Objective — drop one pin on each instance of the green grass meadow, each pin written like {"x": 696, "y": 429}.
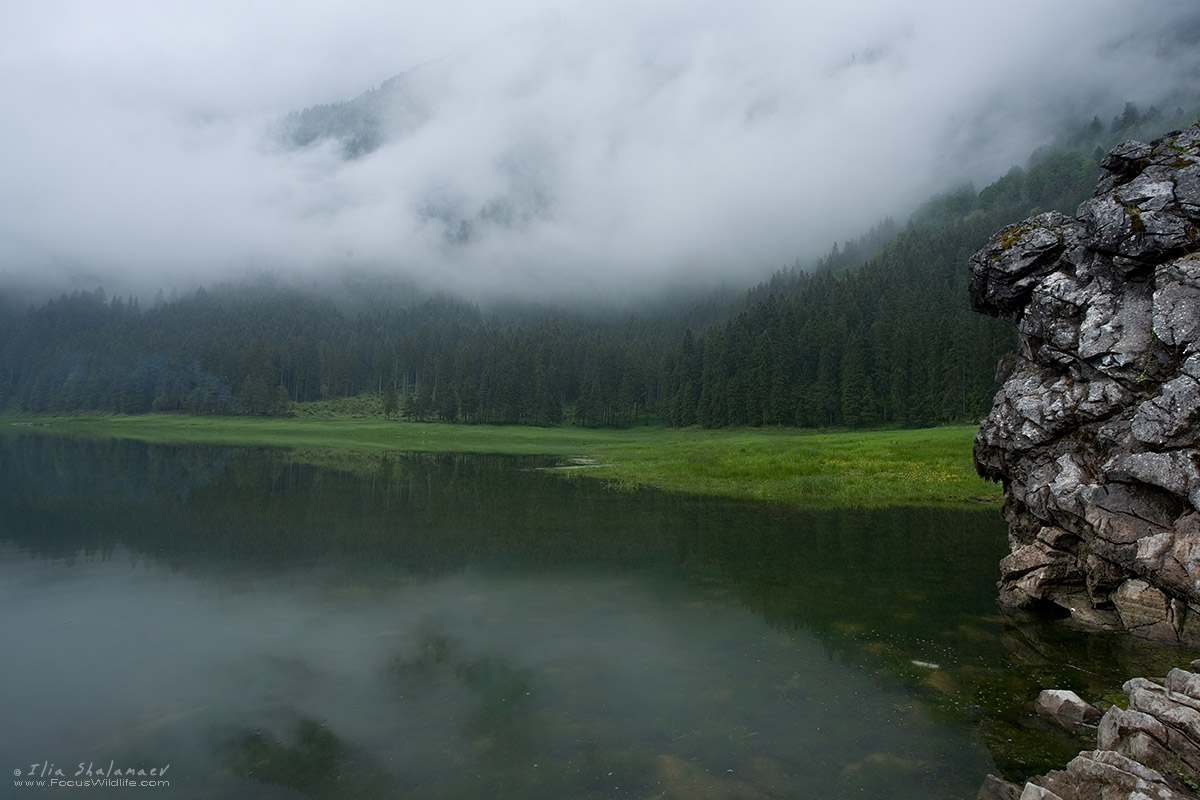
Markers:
{"x": 871, "y": 469}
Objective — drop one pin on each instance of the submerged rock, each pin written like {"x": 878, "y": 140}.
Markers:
{"x": 1095, "y": 432}
{"x": 1066, "y": 709}
{"x": 678, "y": 779}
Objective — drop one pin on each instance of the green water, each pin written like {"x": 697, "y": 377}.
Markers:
{"x": 472, "y": 626}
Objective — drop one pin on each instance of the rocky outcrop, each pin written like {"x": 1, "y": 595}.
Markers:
{"x": 1149, "y": 750}
{"x": 1095, "y": 432}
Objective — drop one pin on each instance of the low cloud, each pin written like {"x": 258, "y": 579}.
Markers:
{"x": 570, "y": 152}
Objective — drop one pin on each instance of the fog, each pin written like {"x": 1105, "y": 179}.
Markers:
{"x": 578, "y": 151}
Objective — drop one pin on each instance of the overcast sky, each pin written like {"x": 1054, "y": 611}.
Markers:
{"x": 633, "y": 144}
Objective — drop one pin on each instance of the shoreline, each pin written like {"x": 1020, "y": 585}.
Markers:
{"x": 930, "y": 467}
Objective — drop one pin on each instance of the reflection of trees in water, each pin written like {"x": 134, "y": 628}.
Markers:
{"x": 63, "y": 498}
{"x": 94, "y": 469}
{"x": 501, "y": 708}
{"x": 509, "y": 730}
{"x": 220, "y": 509}
{"x": 436, "y": 513}
{"x": 879, "y": 589}
{"x": 316, "y": 762}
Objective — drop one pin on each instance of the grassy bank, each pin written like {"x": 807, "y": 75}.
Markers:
{"x": 928, "y": 467}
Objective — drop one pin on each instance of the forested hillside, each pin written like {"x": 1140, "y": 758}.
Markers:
{"x": 891, "y": 341}
{"x": 882, "y": 331}
{"x": 879, "y": 332}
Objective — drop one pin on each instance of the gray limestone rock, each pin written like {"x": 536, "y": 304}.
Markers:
{"x": 1095, "y": 432}
{"x": 1101, "y": 775}
{"x": 1170, "y": 417}
{"x": 1145, "y": 610}
{"x": 1066, "y": 709}
{"x": 1005, "y": 272}
{"x": 1177, "y": 303}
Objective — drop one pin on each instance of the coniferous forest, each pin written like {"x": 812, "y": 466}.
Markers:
{"x": 878, "y": 332}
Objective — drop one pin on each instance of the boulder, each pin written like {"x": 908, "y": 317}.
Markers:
{"x": 1095, "y": 430}
{"x": 1066, "y": 709}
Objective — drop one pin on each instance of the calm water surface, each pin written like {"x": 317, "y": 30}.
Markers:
{"x": 472, "y": 626}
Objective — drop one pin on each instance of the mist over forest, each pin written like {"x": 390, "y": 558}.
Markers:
{"x": 575, "y": 153}
{"x": 604, "y": 217}
{"x": 879, "y": 331}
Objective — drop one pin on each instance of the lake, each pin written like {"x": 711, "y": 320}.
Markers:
{"x": 265, "y": 623}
